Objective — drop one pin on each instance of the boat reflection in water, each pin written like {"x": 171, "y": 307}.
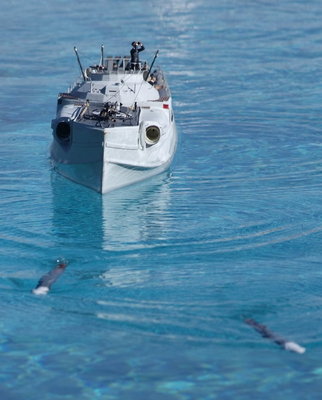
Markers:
{"x": 136, "y": 217}
{"x": 125, "y": 219}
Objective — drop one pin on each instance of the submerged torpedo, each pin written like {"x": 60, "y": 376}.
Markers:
{"x": 46, "y": 281}
{"x": 266, "y": 333}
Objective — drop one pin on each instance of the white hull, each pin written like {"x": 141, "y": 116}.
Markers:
{"x": 116, "y": 176}
{"x": 103, "y": 166}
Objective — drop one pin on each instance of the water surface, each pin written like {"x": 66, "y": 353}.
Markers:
{"x": 162, "y": 274}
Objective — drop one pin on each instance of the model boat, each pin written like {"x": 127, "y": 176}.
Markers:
{"x": 116, "y": 125}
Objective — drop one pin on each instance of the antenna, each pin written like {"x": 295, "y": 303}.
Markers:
{"x": 79, "y": 63}
{"x": 102, "y": 55}
{"x": 155, "y": 57}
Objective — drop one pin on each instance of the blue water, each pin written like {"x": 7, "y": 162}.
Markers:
{"x": 162, "y": 274}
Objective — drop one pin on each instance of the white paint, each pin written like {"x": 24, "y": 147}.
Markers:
{"x": 292, "y": 346}
{"x": 41, "y": 290}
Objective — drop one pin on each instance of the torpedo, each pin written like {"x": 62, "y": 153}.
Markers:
{"x": 266, "y": 333}
{"x": 47, "y": 280}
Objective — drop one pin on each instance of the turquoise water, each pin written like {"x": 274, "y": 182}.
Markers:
{"x": 162, "y": 274}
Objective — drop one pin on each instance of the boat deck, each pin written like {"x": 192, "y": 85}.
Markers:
{"x": 110, "y": 116}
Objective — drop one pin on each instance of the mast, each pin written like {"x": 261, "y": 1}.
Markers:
{"x": 102, "y": 55}
{"x": 155, "y": 57}
{"x": 79, "y": 63}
